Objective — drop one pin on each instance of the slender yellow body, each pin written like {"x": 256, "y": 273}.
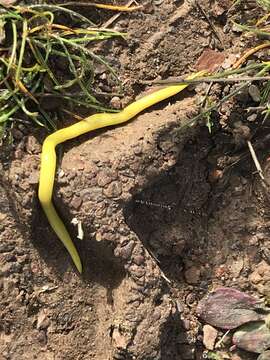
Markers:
{"x": 48, "y": 156}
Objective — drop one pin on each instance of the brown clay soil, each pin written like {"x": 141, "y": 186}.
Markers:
{"x": 167, "y": 214}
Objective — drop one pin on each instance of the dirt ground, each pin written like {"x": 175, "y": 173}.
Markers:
{"x": 167, "y": 214}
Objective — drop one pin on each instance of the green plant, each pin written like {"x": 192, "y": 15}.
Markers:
{"x": 264, "y": 3}
{"x": 34, "y": 45}
{"x": 213, "y": 355}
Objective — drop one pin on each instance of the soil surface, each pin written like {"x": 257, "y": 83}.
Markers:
{"x": 168, "y": 211}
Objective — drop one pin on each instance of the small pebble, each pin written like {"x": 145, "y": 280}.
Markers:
{"x": 32, "y": 145}
{"x": 33, "y": 178}
{"x": 186, "y": 324}
{"x": 113, "y": 190}
{"x": 2, "y": 216}
{"x": 209, "y": 337}
{"x": 116, "y": 102}
{"x": 43, "y": 322}
{"x": 252, "y": 118}
{"x": 76, "y": 202}
{"x": 61, "y": 173}
{"x": 254, "y": 93}
{"x": 138, "y": 259}
{"x": 192, "y": 275}
{"x": 236, "y": 267}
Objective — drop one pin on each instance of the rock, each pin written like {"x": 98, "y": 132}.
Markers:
{"x": 61, "y": 173}
{"x": 236, "y": 267}
{"x": 138, "y": 259}
{"x": 76, "y": 202}
{"x": 254, "y": 93}
{"x": 241, "y": 134}
{"x": 125, "y": 251}
{"x": 93, "y": 194}
{"x": 209, "y": 337}
{"x": 33, "y": 178}
{"x": 192, "y": 275}
{"x": 138, "y": 149}
{"x": 252, "y": 117}
{"x": 2, "y": 216}
{"x": 186, "y": 324}
{"x": 255, "y": 278}
{"x": 32, "y": 145}
{"x": 261, "y": 273}
{"x": 43, "y": 321}
{"x": 260, "y": 278}
{"x": 113, "y": 190}
{"x": 119, "y": 339}
{"x": 105, "y": 177}
{"x": 253, "y": 337}
{"x": 115, "y": 102}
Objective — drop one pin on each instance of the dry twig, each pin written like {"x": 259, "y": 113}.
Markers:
{"x": 116, "y": 16}
{"x": 249, "y": 53}
{"x": 256, "y": 161}
{"x": 209, "y": 21}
